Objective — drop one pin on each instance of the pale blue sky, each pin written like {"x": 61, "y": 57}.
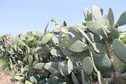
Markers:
{"x": 19, "y": 16}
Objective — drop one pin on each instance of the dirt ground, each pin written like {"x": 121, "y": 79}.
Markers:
{"x": 5, "y": 75}
{"x": 5, "y": 78}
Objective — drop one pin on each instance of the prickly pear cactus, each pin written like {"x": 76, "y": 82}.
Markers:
{"x": 87, "y": 53}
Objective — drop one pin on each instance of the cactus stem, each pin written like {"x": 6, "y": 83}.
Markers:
{"x": 96, "y": 70}
{"x": 85, "y": 36}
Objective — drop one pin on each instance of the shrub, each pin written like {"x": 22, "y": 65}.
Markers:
{"x": 85, "y": 53}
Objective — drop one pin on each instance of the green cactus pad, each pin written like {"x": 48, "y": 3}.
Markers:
{"x": 46, "y": 38}
{"x": 87, "y": 65}
{"x": 122, "y": 20}
{"x": 76, "y": 45}
{"x": 119, "y": 49}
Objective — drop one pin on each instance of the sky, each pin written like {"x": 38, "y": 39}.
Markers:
{"x": 20, "y": 16}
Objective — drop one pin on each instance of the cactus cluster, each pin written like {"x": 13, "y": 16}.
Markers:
{"x": 86, "y": 53}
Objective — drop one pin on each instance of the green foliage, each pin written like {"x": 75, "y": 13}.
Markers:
{"x": 85, "y": 53}
{"x": 3, "y": 65}
{"x": 123, "y": 39}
